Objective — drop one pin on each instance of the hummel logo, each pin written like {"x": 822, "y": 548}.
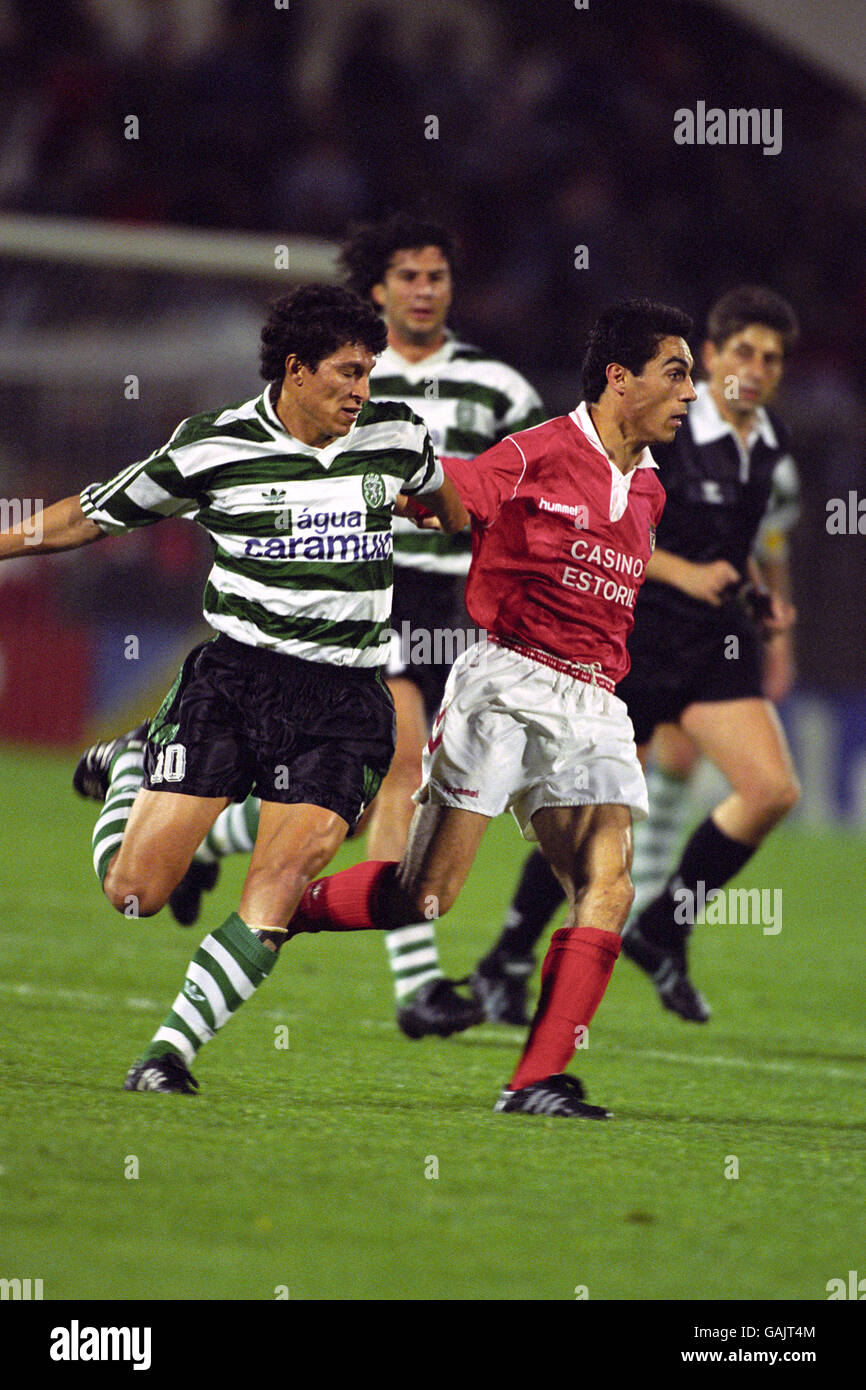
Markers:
{"x": 276, "y": 496}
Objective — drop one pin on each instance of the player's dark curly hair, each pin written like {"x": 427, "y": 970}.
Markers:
{"x": 629, "y": 333}
{"x": 312, "y": 323}
{"x": 752, "y": 304}
{"x": 367, "y": 253}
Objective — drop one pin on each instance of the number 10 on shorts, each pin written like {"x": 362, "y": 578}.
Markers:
{"x": 170, "y": 764}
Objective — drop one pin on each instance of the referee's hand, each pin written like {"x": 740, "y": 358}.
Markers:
{"x": 712, "y": 583}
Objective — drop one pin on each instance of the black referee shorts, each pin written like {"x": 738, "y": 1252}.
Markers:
{"x": 676, "y": 662}
{"x": 242, "y": 720}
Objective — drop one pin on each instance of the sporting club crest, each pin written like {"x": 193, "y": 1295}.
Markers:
{"x": 373, "y": 490}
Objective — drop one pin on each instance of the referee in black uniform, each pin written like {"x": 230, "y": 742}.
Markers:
{"x": 696, "y": 648}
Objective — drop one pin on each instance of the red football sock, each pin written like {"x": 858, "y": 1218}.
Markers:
{"x": 346, "y": 901}
{"x": 574, "y": 977}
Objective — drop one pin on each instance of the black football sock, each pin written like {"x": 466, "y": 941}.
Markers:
{"x": 710, "y": 858}
{"x": 539, "y": 893}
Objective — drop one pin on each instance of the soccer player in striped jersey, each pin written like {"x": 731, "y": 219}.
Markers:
{"x": 469, "y": 401}
{"x": 296, "y": 488}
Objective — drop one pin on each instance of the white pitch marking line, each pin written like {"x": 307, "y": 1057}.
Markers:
{"x": 680, "y": 1058}
{"x": 695, "y": 1059}
{"x": 698, "y": 1059}
{"x": 89, "y": 997}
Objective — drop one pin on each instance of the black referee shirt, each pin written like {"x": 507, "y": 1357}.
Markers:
{"x": 717, "y": 495}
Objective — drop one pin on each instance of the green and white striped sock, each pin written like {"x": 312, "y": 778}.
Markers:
{"x": 233, "y": 832}
{"x": 657, "y": 839}
{"x": 227, "y": 968}
{"x": 413, "y": 957}
{"x": 126, "y": 775}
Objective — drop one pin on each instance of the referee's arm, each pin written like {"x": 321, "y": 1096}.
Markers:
{"x": 709, "y": 582}
{"x": 62, "y": 526}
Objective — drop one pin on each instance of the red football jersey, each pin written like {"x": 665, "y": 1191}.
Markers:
{"x": 560, "y": 540}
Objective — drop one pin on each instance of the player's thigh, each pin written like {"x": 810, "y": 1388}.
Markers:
{"x": 443, "y": 842}
{"x": 746, "y": 742}
{"x": 590, "y": 850}
{"x": 673, "y": 751}
{"x": 294, "y": 843}
{"x": 161, "y": 836}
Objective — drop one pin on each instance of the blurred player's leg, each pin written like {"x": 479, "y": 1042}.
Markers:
{"x": 426, "y": 1002}
{"x": 745, "y": 741}
{"x": 657, "y": 839}
{"x": 500, "y": 979}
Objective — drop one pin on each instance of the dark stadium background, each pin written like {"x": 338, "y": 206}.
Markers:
{"x": 134, "y": 274}
{"x": 555, "y": 129}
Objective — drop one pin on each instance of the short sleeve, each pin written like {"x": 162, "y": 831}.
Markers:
{"x": 140, "y": 495}
{"x": 486, "y": 482}
{"x": 429, "y": 477}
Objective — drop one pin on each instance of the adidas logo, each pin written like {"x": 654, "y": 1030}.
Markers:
{"x": 274, "y": 496}
{"x": 193, "y": 992}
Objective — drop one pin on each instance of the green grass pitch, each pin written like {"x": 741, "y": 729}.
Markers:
{"x": 310, "y": 1169}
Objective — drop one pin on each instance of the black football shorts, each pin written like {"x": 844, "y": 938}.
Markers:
{"x": 242, "y": 720}
{"x": 676, "y": 662}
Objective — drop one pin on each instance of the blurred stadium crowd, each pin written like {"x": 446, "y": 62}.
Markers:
{"x": 555, "y": 130}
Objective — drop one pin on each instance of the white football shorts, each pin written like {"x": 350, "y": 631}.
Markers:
{"x": 513, "y": 734}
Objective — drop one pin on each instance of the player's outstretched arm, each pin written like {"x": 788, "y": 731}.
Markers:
{"x": 62, "y": 526}
{"x": 446, "y": 507}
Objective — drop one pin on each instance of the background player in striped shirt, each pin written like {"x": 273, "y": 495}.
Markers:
{"x": 468, "y": 401}
{"x": 732, "y": 485}
{"x": 563, "y": 521}
{"x": 296, "y": 488}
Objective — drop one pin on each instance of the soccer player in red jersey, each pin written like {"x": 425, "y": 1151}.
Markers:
{"x": 563, "y": 522}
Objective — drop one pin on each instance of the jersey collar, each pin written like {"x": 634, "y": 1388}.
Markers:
{"x": 325, "y": 455}
{"x": 583, "y": 420}
{"x": 707, "y": 423}
{"x": 620, "y": 483}
{"x": 392, "y": 361}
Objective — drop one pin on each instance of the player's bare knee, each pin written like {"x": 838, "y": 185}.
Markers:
{"x": 134, "y": 897}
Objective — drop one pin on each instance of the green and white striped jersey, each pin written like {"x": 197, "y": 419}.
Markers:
{"x": 468, "y": 402}
{"x": 303, "y": 536}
